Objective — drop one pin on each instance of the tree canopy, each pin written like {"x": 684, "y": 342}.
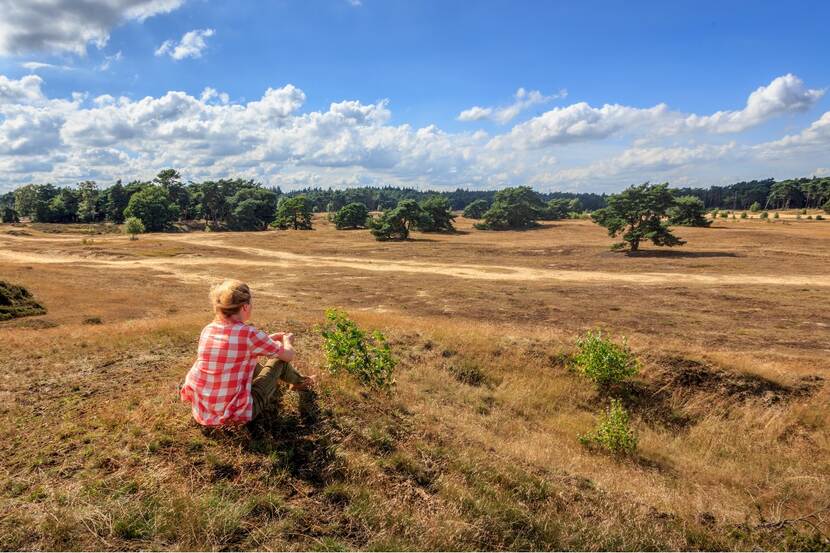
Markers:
{"x": 637, "y": 214}
{"x": 476, "y": 209}
{"x": 436, "y": 215}
{"x": 394, "y": 224}
{"x": 688, "y": 211}
{"x": 294, "y": 213}
{"x": 154, "y": 207}
{"x": 513, "y": 208}
{"x": 351, "y": 216}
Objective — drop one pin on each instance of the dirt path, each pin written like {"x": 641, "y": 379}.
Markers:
{"x": 187, "y": 267}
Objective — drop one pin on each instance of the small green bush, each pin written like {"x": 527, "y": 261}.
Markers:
{"x": 809, "y": 217}
{"x": 775, "y": 216}
{"x": 744, "y": 215}
{"x": 603, "y": 361}
{"x": 755, "y": 207}
{"x": 348, "y": 348}
{"x": 724, "y": 215}
{"x": 133, "y": 226}
{"x": 613, "y": 431}
{"x": 764, "y": 215}
{"x": 819, "y": 217}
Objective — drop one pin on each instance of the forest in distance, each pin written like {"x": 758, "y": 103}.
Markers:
{"x": 240, "y": 204}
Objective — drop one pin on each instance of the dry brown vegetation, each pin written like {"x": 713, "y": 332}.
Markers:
{"x": 477, "y": 447}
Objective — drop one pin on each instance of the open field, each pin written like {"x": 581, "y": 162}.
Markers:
{"x": 732, "y": 406}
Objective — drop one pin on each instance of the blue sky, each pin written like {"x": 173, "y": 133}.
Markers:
{"x": 571, "y": 96}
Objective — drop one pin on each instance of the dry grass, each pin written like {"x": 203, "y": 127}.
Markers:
{"x": 477, "y": 447}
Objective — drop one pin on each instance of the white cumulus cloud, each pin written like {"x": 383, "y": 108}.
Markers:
{"x": 274, "y": 140}
{"x": 522, "y": 100}
{"x": 580, "y": 122}
{"x": 190, "y": 46}
{"x": 785, "y": 94}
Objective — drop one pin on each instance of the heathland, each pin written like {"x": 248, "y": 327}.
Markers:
{"x": 477, "y": 445}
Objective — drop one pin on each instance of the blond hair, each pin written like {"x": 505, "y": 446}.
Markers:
{"x": 229, "y": 297}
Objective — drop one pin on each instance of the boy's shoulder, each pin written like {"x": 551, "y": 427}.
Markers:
{"x": 214, "y": 327}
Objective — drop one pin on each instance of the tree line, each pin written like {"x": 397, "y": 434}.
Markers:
{"x": 800, "y": 193}
{"x": 240, "y": 204}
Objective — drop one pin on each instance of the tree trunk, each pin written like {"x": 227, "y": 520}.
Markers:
{"x": 635, "y": 245}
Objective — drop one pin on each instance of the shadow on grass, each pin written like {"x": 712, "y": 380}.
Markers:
{"x": 303, "y": 443}
{"x": 677, "y": 254}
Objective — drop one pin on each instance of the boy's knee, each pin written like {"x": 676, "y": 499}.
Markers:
{"x": 274, "y": 362}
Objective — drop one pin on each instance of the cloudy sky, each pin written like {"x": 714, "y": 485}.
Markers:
{"x": 585, "y": 95}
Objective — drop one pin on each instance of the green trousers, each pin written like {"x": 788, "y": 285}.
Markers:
{"x": 264, "y": 385}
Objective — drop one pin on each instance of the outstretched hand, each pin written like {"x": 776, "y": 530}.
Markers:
{"x": 284, "y": 337}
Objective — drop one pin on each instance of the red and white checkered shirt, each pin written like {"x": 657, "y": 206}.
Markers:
{"x": 218, "y": 385}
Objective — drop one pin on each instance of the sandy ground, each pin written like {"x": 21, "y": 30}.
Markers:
{"x": 183, "y": 266}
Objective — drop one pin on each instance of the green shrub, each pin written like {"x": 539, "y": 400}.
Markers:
{"x": 804, "y": 212}
{"x": 613, "y": 431}
{"x": 755, "y": 207}
{"x": 603, "y": 361}
{"x": 724, "y": 214}
{"x": 348, "y": 348}
{"x": 133, "y": 226}
{"x": 764, "y": 215}
{"x": 819, "y": 217}
{"x": 744, "y": 215}
{"x": 775, "y": 216}
{"x": 810, "y": 217}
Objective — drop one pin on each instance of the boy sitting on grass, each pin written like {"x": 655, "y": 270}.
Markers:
{"x": 226, "y": 385}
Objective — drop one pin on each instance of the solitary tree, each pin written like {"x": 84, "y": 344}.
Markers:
{"x": 436, "y": 215}
{"x": 476, "y": 209}
{"x": 395, "y": 223}
{"x": 637, "y": 214}
{"x": 755, "y": 207}
{"x": 133, "y": 226}
{"x": 353, "y": 215}
{"x": 154, "y": 207}
{"x": 688, "y": 211}
{"x": 513, "y": 208}
{"x": 294, "y": 213}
